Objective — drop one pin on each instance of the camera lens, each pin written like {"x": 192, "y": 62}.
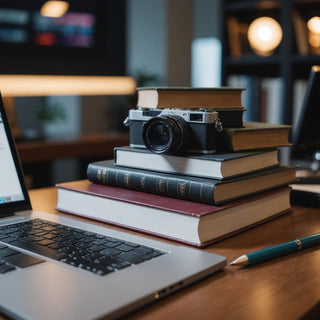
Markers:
{"x": 164, "y": 134}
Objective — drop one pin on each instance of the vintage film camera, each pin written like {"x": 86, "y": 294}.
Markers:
{"x": 173, "y": 130}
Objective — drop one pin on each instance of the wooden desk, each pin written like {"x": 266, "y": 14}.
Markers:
{"x": 285, "y": 288}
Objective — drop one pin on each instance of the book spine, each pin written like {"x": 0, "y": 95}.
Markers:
{"x": 179, "y": 187}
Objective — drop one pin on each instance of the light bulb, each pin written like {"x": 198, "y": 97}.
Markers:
{"x": 313, "y": 25}
{"x": 264, "y": 35}
{"x": 54, "y": 9}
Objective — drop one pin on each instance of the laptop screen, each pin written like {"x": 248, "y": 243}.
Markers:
{"x": 11, "y": 190}
{"x": 13, "y": 193}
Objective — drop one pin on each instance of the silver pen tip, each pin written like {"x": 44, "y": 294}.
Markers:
{"x": 241, "y": 261}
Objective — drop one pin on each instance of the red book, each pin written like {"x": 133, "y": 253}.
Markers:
{"x": 185, "y": 221}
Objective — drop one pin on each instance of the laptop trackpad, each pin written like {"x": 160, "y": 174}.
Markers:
{"x": 31, "y": 292}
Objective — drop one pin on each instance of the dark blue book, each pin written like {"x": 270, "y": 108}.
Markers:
{"x": 203, "y": 190}
{"x": 216, "y": 166}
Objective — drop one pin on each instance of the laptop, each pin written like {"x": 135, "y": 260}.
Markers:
{"x": 57, "y": 267}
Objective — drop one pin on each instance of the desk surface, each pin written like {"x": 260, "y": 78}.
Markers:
{"x": 285, "y": 288}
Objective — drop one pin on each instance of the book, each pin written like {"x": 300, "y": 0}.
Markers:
{"x": 299, "y": 92}
{"x": 184, "y": 221}
{"x": 272, "y": 87}
{"x": 247, "y": 82}
{"x": 301, "y": 33}
{"x": 234, "y": 37}
{"x": 197, "y": 189}
{"x": 189, "y": 97}
{"x": 253, "y": 135}
{"x": 216, "y": 166}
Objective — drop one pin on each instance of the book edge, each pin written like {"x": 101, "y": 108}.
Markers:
{"x": 183, "y": 241}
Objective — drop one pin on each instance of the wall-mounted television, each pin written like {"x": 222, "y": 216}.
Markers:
{"x": 88, "y": 40}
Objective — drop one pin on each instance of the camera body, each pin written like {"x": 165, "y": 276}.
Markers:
{"x": 173, "y": 130}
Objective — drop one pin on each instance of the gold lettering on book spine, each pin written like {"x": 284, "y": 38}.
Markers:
{"x": 99, "y": 174}
{"x": 161, "y": 186}
{"x": 143, "y": 183}
{"x": 201, "y": 189}
{"x": 104, "y": 176}
{"x": 182, "y": 189}
{"x": 127, "y": 179}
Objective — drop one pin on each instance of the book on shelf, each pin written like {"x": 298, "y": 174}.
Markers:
{"x": 252, "y": 136}
{"x": 189, "y": 97}
{"x": 299, "y": 92}
{"x": 184, "y": 221}
{"x": 234, "y": 37}
{"x": 301, "y": 33}
{"x": 237, "y": 32}
{"x": 272, "y": 89}
{"x": 197, "y": 189}
{"x": 216, "y": 166}
{"x": 251, "y": 95}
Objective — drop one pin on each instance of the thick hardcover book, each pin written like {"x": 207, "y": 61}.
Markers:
{"x": 253, "y": 135}
{"x": 184, "y": 221}
{"x": 186, "y": 97}
{"x": 204, "y": 190}
{"x": 216, "y": 166}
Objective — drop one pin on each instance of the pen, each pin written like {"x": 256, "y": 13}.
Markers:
{"x": 277, "y": 251}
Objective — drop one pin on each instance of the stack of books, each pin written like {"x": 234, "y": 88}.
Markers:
{"x": 196, "y": 199}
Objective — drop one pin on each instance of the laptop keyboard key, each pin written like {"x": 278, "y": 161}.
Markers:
{"x": 110, "y": 252}
{"x": 125, "y": 248}
{"x": 131, "y": 257}
{"x": 114, "y": 262}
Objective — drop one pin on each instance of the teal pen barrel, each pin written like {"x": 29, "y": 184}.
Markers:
{"x": 272, "y": 252}
{"x": 310, "y": 240}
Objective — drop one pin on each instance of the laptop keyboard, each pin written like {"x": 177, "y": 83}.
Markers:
{"x": 91, "y": 251}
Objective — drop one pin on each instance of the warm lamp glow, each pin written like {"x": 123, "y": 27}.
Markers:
{"x": 314, "y": 34}
{"x": 54, "y": 9}
{"x": 264, "y": 35}
{"x": 40, "y": 85}
{"x": 314, "y": 24}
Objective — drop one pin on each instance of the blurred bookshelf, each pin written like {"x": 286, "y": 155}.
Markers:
{"x": 278, "y": 80}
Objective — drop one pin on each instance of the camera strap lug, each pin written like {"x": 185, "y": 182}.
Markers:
{"x": 218, "y": 125}
{"x": 126, "y": 122}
